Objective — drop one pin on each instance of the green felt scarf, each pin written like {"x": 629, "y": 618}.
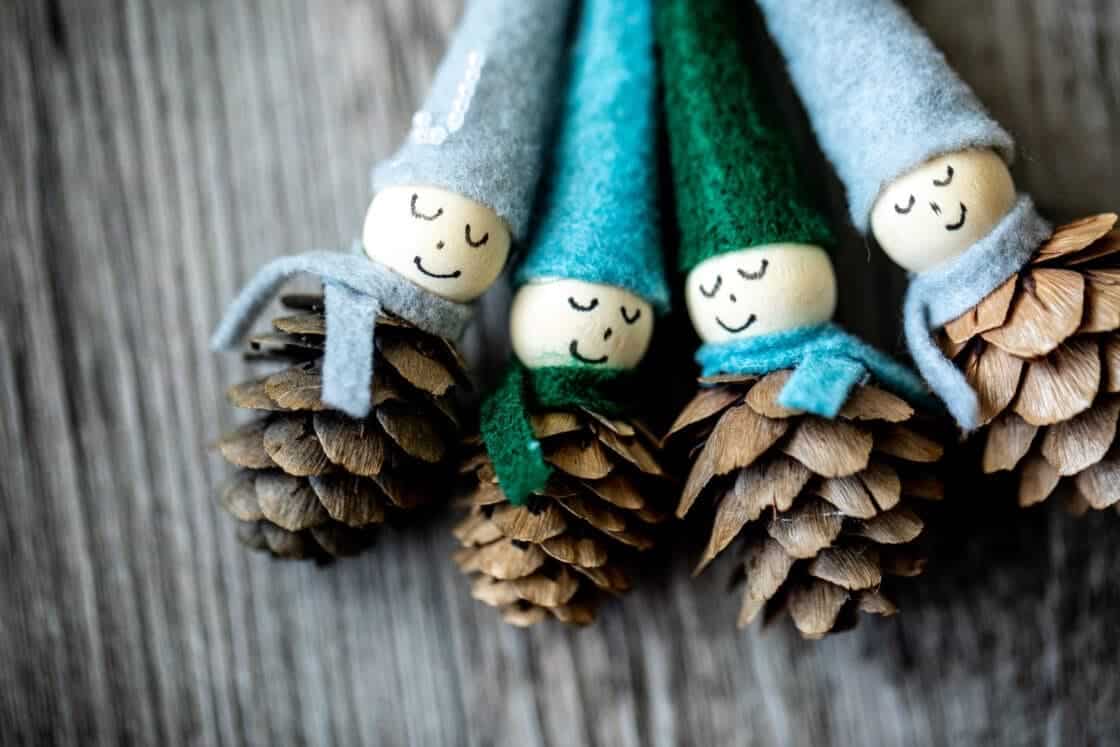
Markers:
{"x": 508, "y": 432}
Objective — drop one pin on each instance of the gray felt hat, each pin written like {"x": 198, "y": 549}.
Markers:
{"x": 483, "y": 129}
{"x": 881, "y": 97}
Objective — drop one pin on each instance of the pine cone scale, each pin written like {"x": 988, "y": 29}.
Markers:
{"x": 292, "y": 444}
{"x": 852, "y": 568}
{"x": 1074, "y": 445}
{"x": 356, "y": 446}
{"x": 1047, "y": 310}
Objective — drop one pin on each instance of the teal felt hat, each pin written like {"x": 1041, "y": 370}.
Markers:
{"x": 598, "y": 219}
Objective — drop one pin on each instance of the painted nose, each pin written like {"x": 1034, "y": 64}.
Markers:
{"x": 607, "y": 334}
{"x": 935, "y": 208}
{"x": 439, "y": 245}
{"x": 733, "y": 299}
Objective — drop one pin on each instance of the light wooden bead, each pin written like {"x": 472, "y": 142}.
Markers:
{"x": 759, "y": 291}
{"x": 444, "y": 242}
{"x": 943, "y": 207}
{"x": 572, "y": 322}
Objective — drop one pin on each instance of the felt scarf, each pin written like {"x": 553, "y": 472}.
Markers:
{"x": 356, "y": 290}
{"x": 508, "y": 432}
{"x": 827, "y": 361}
{"x": 940, "y": 295}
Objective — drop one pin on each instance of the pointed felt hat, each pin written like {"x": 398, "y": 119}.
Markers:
{"x": 484, "y": 127}
{"x": 734, "y": 169}
{"x": 881, "y": 97}
{"x": 598, "y": 219}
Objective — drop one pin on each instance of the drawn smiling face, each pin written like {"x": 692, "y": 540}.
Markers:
{"x": 942, "y": 208}
{"x": 759, "y": 291}
{"x": 572, "y": 322}
{"x": 444, "y": 242}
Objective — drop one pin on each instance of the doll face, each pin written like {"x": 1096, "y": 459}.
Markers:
{"x": 759, "y": 291}
{"x": 444, "y": 242}
{"x": 942, "y": 208}
{"x": 571, "y": 323}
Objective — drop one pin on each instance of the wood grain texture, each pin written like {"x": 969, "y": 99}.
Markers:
{"x": 154, "y": 152}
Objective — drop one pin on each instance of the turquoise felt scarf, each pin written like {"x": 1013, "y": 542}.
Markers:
{"x": 827, "y": 361}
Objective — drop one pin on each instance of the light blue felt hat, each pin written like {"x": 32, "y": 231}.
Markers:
{"x": 598, "y": 216}
{"x": 881, "y": 97}
{"x": 483, "y": 129}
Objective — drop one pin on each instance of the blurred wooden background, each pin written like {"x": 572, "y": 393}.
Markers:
{"x": 154, "y": 152}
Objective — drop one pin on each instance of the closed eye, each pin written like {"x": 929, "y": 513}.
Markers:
{"x": 947, "y": 181}
{"x": 907, "y": 209}
{"x": 480, "y": 242}
{"x": 417, "y": 214}
{"x": 575, "y": 304}
{"x": 755, "y": 275}
{"x": 715, "y": 288}
{"x": 630, "y": 319}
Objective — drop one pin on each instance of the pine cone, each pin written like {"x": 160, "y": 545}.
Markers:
{"x": 1043, "y": 353}
{"x": 314, "y": 483}
{"x": 559, "y": 552}
{"x": 825, "y": 508}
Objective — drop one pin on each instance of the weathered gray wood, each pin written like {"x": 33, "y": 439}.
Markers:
{"x": 153, "y": 152}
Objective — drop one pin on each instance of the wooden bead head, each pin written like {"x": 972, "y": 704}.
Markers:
{"x": 573, "y": 322}
{"x": 444, "y": 242}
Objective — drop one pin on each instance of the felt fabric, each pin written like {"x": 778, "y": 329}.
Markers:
{"x": 735, "y": 172}
{"x": 942, "y": 294}
{"x": 355, "y": 292}
{"x": 881, "y": 97}
{"x": 508, "y": 432}
{"x": 510, "y": 442}
{"x": 483, "y": 129}
{"x": 827, "y": 361}
{"x": 598, "y": 220}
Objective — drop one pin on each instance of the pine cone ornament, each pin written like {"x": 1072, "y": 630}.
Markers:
{"x": 1043, "y": 354}
{"x": 315, "y": 483}
{"x": 826, "y": 510}
{"x": 556, "y": 555}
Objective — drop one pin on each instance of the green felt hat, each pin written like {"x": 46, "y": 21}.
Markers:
{"x": 734, "y": 168}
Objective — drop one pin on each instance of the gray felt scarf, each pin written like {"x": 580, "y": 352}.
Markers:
{"x": 939, "y": 296}
{"x": 356, "y": 290}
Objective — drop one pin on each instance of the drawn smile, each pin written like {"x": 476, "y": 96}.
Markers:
{"x": 959, "y": 224}
{"x": 420, "y": 266}
{"x": 735, "y": 330}
{"x": 574, "y": 350}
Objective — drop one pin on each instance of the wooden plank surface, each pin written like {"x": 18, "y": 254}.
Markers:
{"x": 154, "y": 152}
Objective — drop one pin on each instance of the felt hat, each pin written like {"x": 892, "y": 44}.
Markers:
{"x": 734, "y": 168}
{"x": 483, "y": 129}
{"x": 881, "y": 97}
{"x": 598, "y": 219}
